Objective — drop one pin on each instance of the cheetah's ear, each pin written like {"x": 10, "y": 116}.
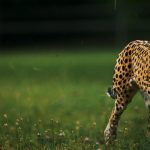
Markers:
{"x": 111, "y": 93}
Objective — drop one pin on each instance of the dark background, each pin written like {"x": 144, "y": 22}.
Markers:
{"x": 73, "y": 22}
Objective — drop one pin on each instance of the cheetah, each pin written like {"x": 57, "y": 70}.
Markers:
{"x": 131, "y": 73}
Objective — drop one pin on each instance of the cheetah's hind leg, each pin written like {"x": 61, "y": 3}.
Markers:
{"x": 146, "y": 97}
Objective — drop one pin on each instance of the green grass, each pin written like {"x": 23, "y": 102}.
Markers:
{"x": 57, "y": 101}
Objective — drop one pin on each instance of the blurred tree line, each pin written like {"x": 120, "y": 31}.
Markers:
{"x": 91, "y": 21}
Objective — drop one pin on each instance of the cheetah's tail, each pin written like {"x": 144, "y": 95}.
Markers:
{"x": 111, "y": 93}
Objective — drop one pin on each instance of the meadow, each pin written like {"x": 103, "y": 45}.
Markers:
{"x": 57, "y": 101}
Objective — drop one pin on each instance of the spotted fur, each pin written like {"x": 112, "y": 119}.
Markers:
{"x": 131, "y": 73}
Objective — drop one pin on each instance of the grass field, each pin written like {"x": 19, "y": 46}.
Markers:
{"x": 57, "y": 101}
